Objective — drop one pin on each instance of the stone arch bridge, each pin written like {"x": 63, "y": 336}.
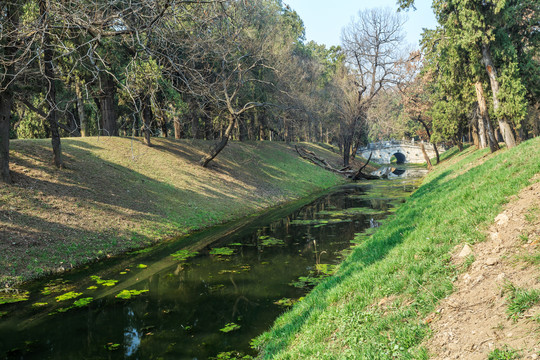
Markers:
{"x": 406, "y": 151}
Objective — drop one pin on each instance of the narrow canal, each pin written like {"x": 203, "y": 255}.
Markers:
{"x": 199, "y": 300}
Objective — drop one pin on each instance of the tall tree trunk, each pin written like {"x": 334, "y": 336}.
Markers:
{"x": 216, "y": 149}
{"x": 12, "y": 14}
{"x": 428, "y": 132}
{"x": 52, "y": 116}
{"x": 426, "y": 157}
{"x": 147, "y": 119}
{"x": 481, "y": 131}
{"x": 506, "y": 130}
{"x": 484, "y": 122}
{"x": 178, "y": 131}
{"x": 107, "y": 105}
{"x": 6, "y": 101}
{"x": 474, "y": 132}
{"x": 80, "y": 109}
{"x": 346, "y": 150}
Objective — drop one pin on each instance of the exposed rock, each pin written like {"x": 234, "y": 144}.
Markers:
{"x": 501, "y": 219}
{"x": 466, "y": 251}
{"x": 491, "y": 261}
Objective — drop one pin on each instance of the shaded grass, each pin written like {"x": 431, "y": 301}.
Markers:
{"x": 374, "y": 307}
{"x": 117, "y": 194}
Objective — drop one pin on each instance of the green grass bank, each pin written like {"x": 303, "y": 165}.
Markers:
{"x": 117, "y": 194}
{"x": 375, "y": 305}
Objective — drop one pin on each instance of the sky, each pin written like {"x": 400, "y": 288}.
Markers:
{"x": 324, "y": 19}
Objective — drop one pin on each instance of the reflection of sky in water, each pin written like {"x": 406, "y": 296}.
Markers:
{"x": 132, "y": 337}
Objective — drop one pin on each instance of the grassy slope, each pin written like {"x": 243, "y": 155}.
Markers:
{"x": 374, "y": 307}
{"x": 117, "y": 195}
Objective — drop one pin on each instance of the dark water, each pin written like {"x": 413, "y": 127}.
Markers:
{"x": 187, "y": 304}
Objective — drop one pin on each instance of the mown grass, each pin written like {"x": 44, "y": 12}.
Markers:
{"x": 374, "y": 307}
{"x": 117, "y": 194}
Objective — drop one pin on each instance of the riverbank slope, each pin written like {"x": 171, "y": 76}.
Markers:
{"x": 386, "y": 294}
{"x": 117, "y": 194}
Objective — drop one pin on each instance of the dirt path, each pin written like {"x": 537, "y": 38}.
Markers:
{"x": 473, "y": 321}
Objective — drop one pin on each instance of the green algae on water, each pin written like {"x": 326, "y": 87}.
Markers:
{"x": 142, "y": 266}
{"x": 68, "y": 296}
{"x": 39, "y": 305}
{"x": 13, "y": 297}
{"x": 112, "y": 346}
{"x": 319, "y": 222}
{"x": 230, "y": 327}
{"x": 183, "y": 255}
{"x": 271, "y": 241}
{"x": 83, "y": 302}
{"x": 103, "y": 282}
{"x": 223, "y": 251}
{"x": 128, "y": 294}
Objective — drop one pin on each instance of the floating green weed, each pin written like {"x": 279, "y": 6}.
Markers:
{"x": 227, "y": 271}
{"x": 142, "y": 266}
{"x": 13, "y": 297}
{"x": 216, "y": 288}
{"x": 351, "y": 212}
{"x": 93, "y": 287}
{"x": 183, "y": 255}
{"x": 142, "y": 251}
{"x": 236, "y": 244}
{"x": 326, "y": 269}
{"x": 112, "y": 346}
{"x": 103, "y": 282}
{"x": 520, "y": 300}
{"x": 231, "y": 355}
{"x": 307, "y": 281}
{"x": 56, "y": 286}
{"x": 285, "y": 302}
{"x": 230, "y": 327}
{"x": 68, "y": 296}
{"x": 39, "y": 305}
{"x": 128, "y": 294}
{"x": 319, "y": 222}
{"x": 271, "y": 241}
{"x": 83, "y": 302}
{"x": 223, "y": 251}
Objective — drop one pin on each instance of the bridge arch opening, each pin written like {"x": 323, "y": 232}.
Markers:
{"x": 398, "y": 158}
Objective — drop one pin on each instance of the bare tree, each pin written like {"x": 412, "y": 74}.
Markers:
{"x": 372, "y": 43}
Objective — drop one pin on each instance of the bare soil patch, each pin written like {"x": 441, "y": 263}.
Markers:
{"x": 474, "y": 320}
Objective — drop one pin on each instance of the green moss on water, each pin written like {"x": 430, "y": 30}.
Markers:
{"x": 83, "y": 302}
{"x": 103, "y": 282}
{"x": 128, "y": 294}
{"x": 39, "y": 305}
{"x": 351, "y": 212}
{"x": 230, "y": 327}
{"x": 183, "y": 255}
{"x": 270, "y": 241}
{"x": 222, "y": 251}
{"x": 13, "y": 297}
{"x": 318, "y": 222}
{"x": 68, "y": 296}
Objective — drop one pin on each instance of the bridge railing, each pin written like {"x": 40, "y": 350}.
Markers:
{"x": 388, "y": 143}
